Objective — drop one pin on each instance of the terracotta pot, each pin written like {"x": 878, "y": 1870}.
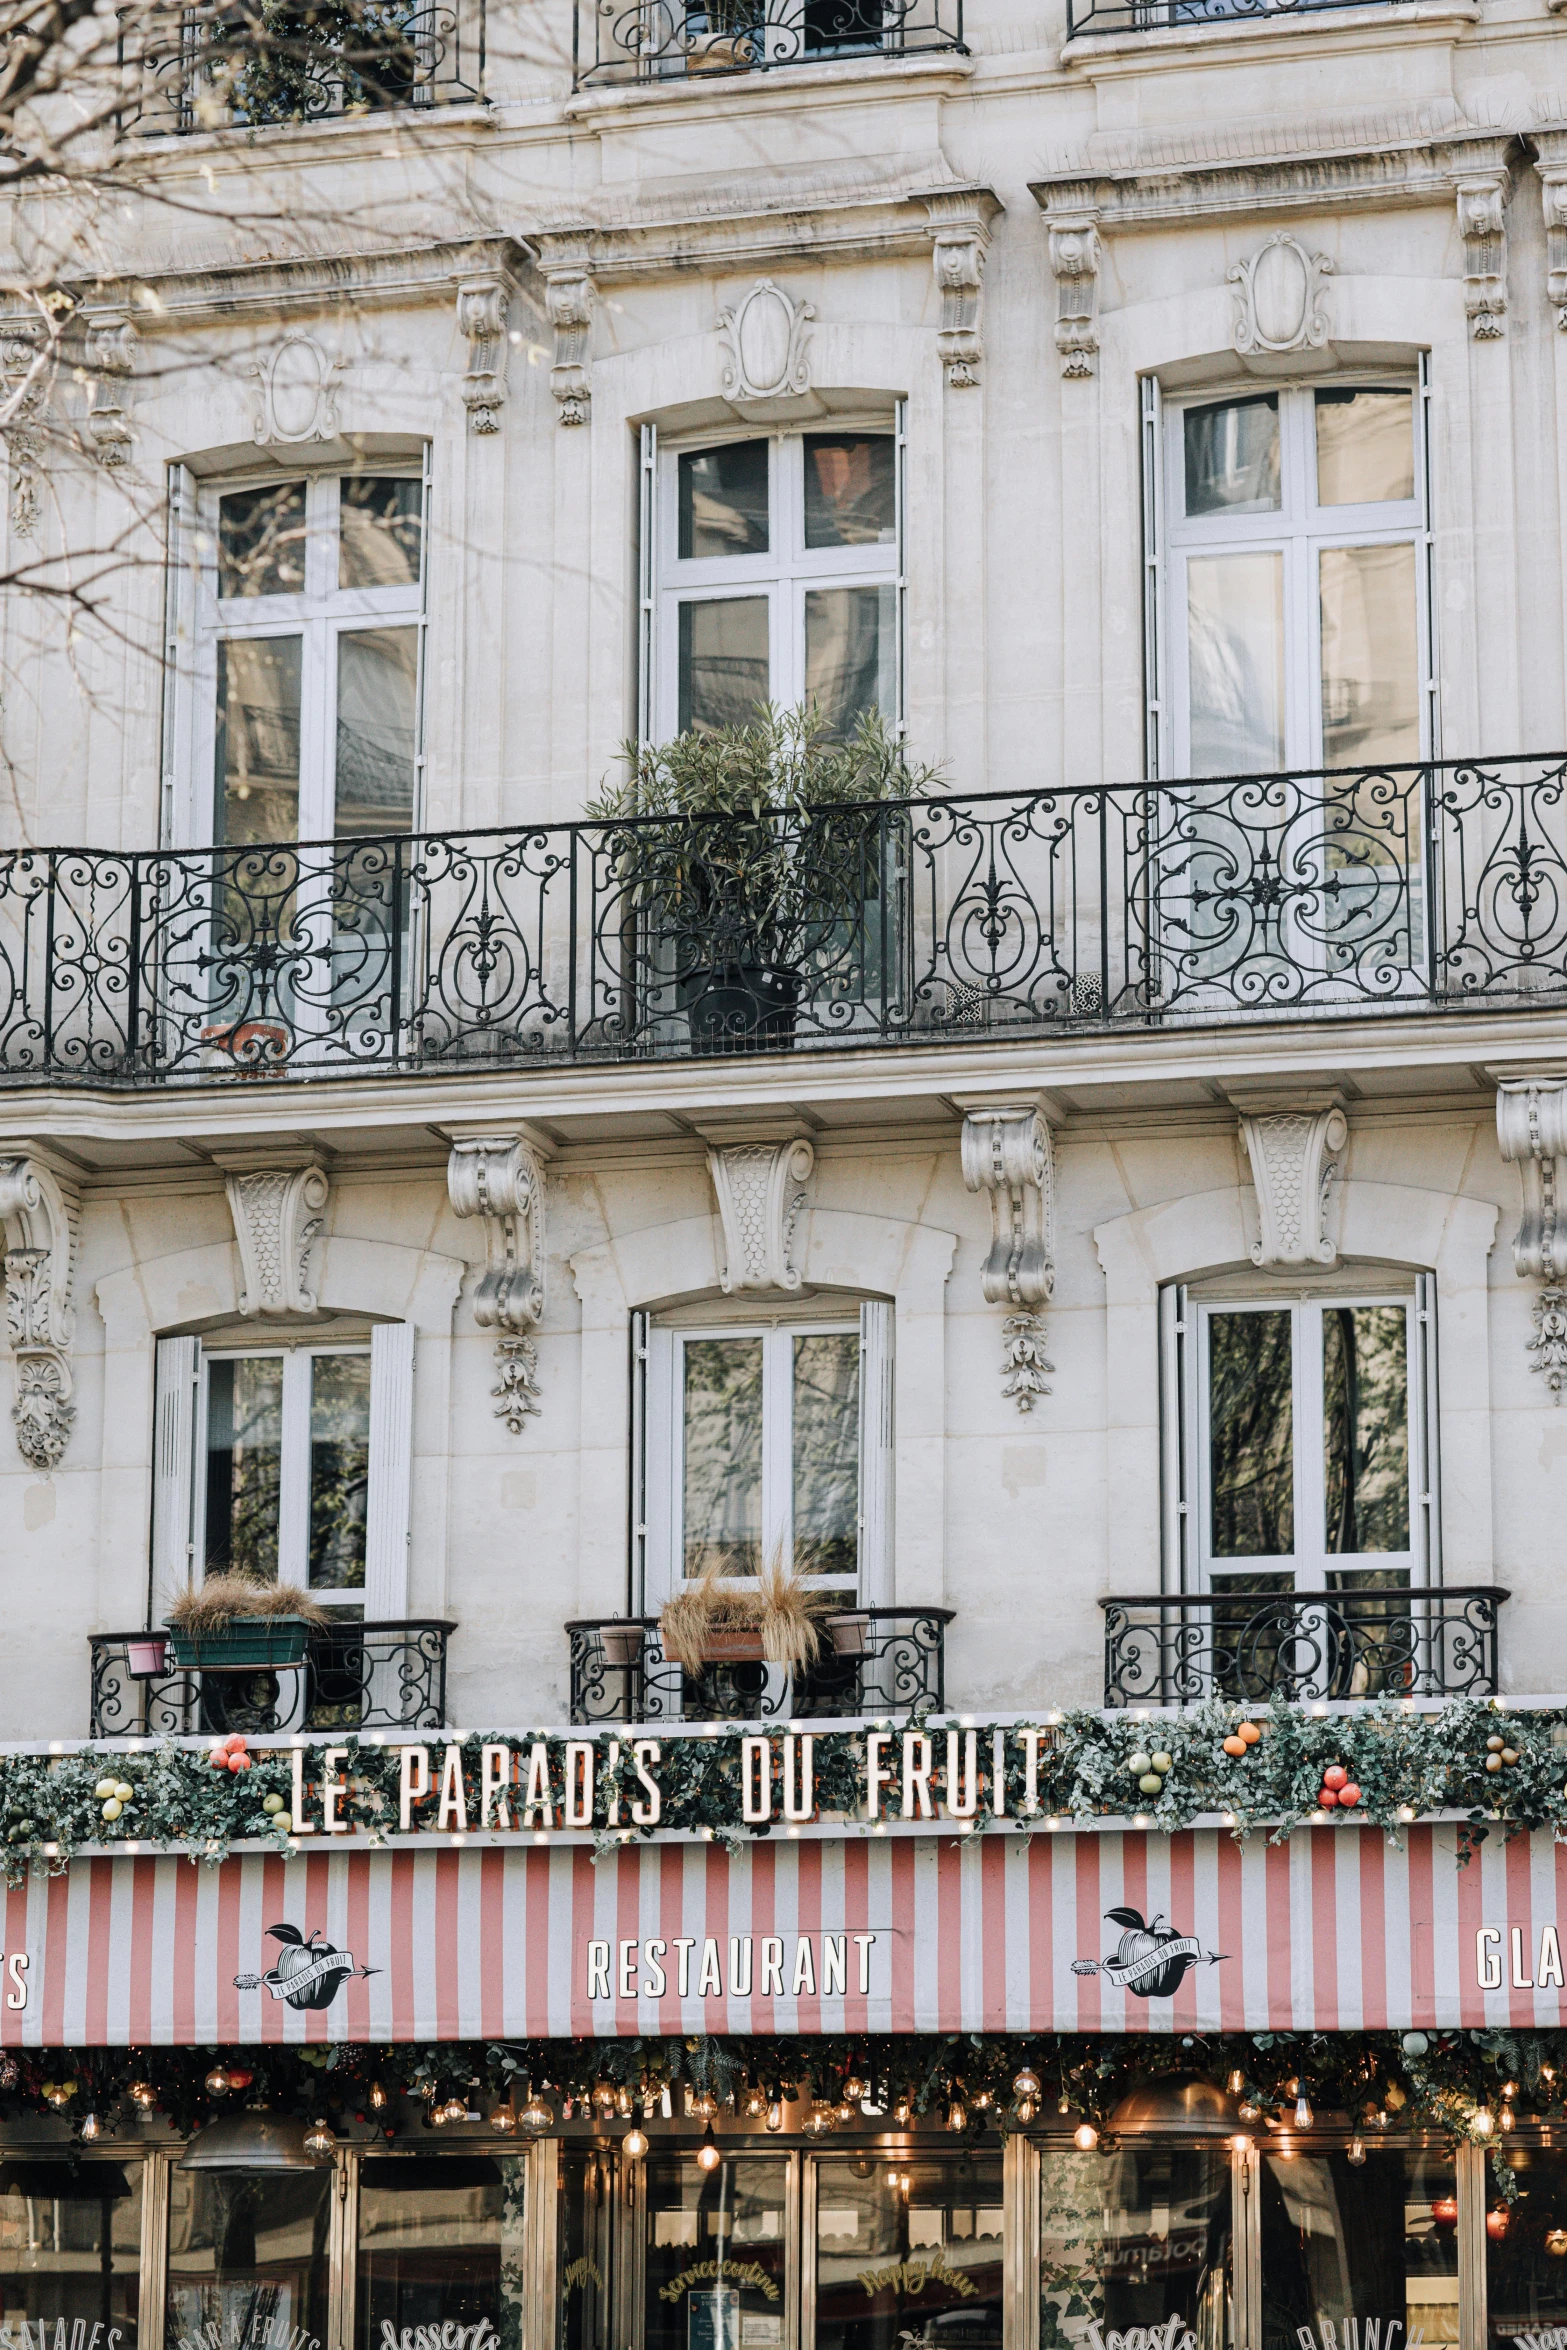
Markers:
{"x": 850, "y": 1633}
{"x": 622, "y": 1643}
{"x": 741, "y": 1645}
{"x": 257, "y": 1048}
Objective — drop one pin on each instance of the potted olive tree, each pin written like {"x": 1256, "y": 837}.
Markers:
{"x": 234, "y": 1623}
{"x": 747, "y": 860}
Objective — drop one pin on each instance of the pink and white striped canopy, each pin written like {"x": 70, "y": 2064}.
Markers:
{"x": 1336, "y": 1930}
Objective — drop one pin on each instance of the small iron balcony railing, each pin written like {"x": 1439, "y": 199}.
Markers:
{"x": 1006, "y": 915}
{"x": 245, "y": 64}
{"x": 873, "y": 1660}
{"x": 1296, "y": 1646}
{"x": 1149, "y": 16}
{"x": 354, "y": 1677}
{"x": 677, "y": 40}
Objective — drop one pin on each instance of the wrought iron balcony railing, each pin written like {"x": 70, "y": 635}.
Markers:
{"x": 675, "y": 40}
{"x": 247, "y": 64}
{"x": 1013, "y": 915}
{"x": 1150, "y": 16}
{"x": 1297, "y": 1646}
{"x": 355, "y": 1677}
{"x": 877, "y": 1660}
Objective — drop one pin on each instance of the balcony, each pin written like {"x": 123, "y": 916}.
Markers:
{"x": 355, "y": 1677}
{"x": 1017, "y": 916}
{"x": 1086, "y": 17}
{"x": 660, "y": 41}
{"x": 252, "y": 65}
{"x": 1294, "y": 1647}
{"x": 896, "y": 1661}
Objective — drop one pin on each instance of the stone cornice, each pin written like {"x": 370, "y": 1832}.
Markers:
{"x": 1135, "y": 195}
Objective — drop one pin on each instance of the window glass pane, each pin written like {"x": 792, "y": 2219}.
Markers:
{"x": 850, "y": 499}
{"x": 257, "y": 747}
{"x": 1370, "y": 682}
{"x": 1232, "y": 457}
{"x": 1251, "y": 1434}
{"x": 1377, "y": 2243}
{"x": 244, "y": 1462}
{"x": 910, "y": 2254}
{"x": 441, "y": 2242}
{"x": 339, "y": 1470}
{"x": 261, "y": 541}
{"x": 377, "y": 680}
{"x": 1365, "y": 447}
{"x": 70, "y": 2251}
{"x": 722, "y": 1487}
{"x": 585, "y": 2254}
{"x": 827, "y": 1452}
{"x": 1526, "y": 2246}
{"x": 714, "y": 2254}
{"x": 380, "y": 529}
{"x": 723, "y": 501}
{"x": 1134, "y": 2239}
{"x": 723, "y": 663}
{"x": 849, "y": 665}
{"x": 248, "y": 2265}
{"x": 1365, "y": 1436}
{"x": 1235, "y": 658}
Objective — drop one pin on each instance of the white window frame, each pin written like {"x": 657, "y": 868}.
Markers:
{"x": 658, "y": 1444}
{"x": 180, "y": 1464}
{"x": 1189, "y": 1567}
{"x": 1300, "y": 530}
{"x": 784, "y": 575}
{"x": 199, "y": 619}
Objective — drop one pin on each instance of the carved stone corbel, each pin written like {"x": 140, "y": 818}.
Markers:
{"x": 960, "y": 221}
{"x": 565, "y": 262}
{"x": 759, "y": 1187}
{"x": 481, "y": 321}
{"x": 110, "y": 356}
{"x": 1531, "y": 1133}
{"x": 41, "y": 1215}
{"x": 23, "y": 388}
{"x": 1482, "y": 224}
{"x": 1294, "y": 1148}
{"x": 1007, "y": 1152}
{"x": 501, "y": 1178}
{"x": 1073, "y": 239}
{"x": 279, "y": 1214}
{"x": 1553, "y": 191}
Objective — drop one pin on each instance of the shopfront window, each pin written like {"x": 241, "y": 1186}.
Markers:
{"x": 1135, "y": 2239}
{"x": 585, "y": 2253}
{"x": 909, "y": 2251}
{"x": 1375, "y": 2243}
{"x": 441, "y": 2246}
{"x": 1526, "y": 2245}
{"x": 70, "y": 2253}
{"x": 249, "y": 2260}
{"x": 714, "y": 2263}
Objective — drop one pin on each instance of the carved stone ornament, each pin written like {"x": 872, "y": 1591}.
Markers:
{"x": 1553, "y": 189}
{"x": 279, "y": 1214}
{"x": 1074, "y": 262}
{"x": 1482, "y": 225}
{"x": 481, "y": 321}
{"x": 517, "y": 1382}
{"x": 565, "y": 261}
{"x": 41, "y": 1215}
{"x": 111, "y": 366}
{"x": 23, "y": 389}
{"x": 1007, "y": 1152}
{"x": 1281, "y": 297}
{"x": 764, "y": 339}
{"x": 760, "y": 1191}
{"x": 1023, "y": 1364}
{"x": 501, "y": 1178}
{"x": 1531, "y": 1133}
{"x": 960, "y": 221}
{"x": 1293, "y": 1150}
{"x": 297, "y": 400}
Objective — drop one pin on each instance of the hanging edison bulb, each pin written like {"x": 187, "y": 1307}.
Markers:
{"x": 216, "y": 2083}
{"x": 378, "y": 2098}
{"x": 957, "y": 2115}
{"x": 755, "y": 2103}
{"x": 604, "y": 2096}
{"x": 819, "y": 2120}
{"x": 853, "y": 2089}
{"x": 536, "y": 2114}
{"x": 1506, "y": 2117}
{"x": 703, "y": 2106}
{"x": 983, "y": 2101}
{"x": 707, "y": 2154}
{"x": 1025, "y": 2083}
{"x": 503, "y": 2118}
{"x": 1237, "y": 2083}
{"x": 1357, "y": 2151}
{"x": 775, "y": 2115}
{"x": 1249, "y": 2112}
{"x": 92, "y": 2129}
{"x": 1027, "y": 2110}
{"x": 902, "y": 2113}
{"x": 142, "y": 2093}
{"x": 634, "y": 2144}
{"x": 1304, "y": 2117}
{"x": 1085, "y": 2137}
{"x": 320, "y": 2142}
{"x": 1482, "y": 2121}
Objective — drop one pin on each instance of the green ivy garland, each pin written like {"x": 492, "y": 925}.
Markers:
{"x": 1405, "y": 1764}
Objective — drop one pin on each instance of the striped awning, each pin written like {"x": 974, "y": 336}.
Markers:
{"x": 1336, "y": 1930}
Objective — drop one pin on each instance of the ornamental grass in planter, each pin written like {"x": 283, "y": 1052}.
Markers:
{"x": 235, "y": 1623}
{"x": 728, "y": 1615}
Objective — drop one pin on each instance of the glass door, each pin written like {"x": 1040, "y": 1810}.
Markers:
{"x": 249, "y": 2264}
{"x": 909, "y": 2251}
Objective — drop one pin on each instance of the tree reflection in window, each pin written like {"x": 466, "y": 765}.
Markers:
{"x": 1251, "y": 1434}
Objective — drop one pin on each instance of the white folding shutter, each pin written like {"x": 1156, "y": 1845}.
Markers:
{"x": 661, "y": 1450}
{"x": 876, "y": 1511}
{"x": 177, "y": 1372}
{"x": 1153, "y": 579}
{"x": 900, "y": 493}
{"x": 647, "y": 583}
{"x": 1424, "y": 1413}
{"x": 637, "y": 1496}
{"x": 1175, "y": 1360}
{"x": 387, "y": 1509}
{"x": 1428, "y": 633}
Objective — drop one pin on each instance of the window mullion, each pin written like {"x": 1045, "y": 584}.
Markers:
{"x": 293, "y": 1528}
{"x": 1311, "y": 1522}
